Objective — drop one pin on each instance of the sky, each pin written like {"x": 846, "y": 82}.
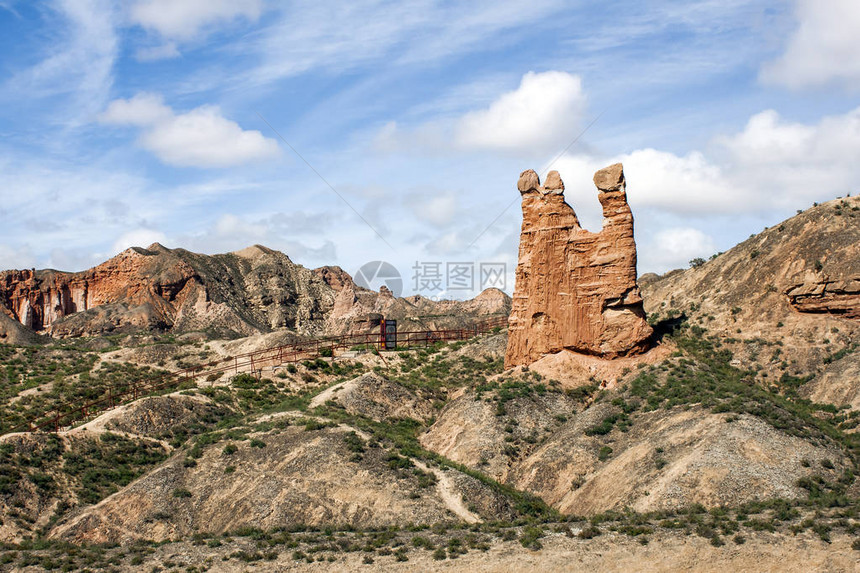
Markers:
{"x": 347, "y": 133}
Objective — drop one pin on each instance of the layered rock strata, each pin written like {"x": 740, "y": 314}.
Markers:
{"x": 840, "y": 297}
{"x": 242, "y": 293}
{"x": 249, "y": 291}
{"x": 575, "y": 289}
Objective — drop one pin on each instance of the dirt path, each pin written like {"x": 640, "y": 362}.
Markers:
{"x": 453, "y": 500}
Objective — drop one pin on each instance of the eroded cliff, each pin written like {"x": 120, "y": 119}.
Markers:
{"x": 575, "y": 289}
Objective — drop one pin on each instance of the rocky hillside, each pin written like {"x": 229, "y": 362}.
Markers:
{"x": 736, "y": 430}
{"x": 785, "y": 299}
{"x": 427, "y": 456}
{"x": 300, "y": 473}
{"x": 158, "y": 288}
{"x": 252, "y": 291}
{"x": 689, "y": 430}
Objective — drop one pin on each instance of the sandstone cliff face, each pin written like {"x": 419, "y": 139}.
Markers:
{"x": 38, "y": 299}
{"x": 245, "y": 292}
{"x": 252, "y": 291}
{"x": 575, "y": 289}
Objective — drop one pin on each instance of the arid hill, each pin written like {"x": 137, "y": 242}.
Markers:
{"x": 732, "y": 441}
{"x": 786, "y": 300}
{"x": 252, "y": 291}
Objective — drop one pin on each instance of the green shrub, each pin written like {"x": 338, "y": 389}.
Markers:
{"x": 530, "y": 537}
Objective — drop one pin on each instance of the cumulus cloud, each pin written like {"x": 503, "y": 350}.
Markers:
{"x": 201, "y": 137}
{"x": 771, "y": 164}
{"x": 823, "y": 50}
{"x": 541, "y": 113}
{"x": 141, "y": 110}
{"x": 660, "y": 179}
{"x": 183, "y": 20}
{"x": 539, "y": 116}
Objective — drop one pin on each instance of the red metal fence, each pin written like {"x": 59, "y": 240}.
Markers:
{"x": 64, "y": 417}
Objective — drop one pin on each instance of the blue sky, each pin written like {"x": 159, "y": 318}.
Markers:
{"x": 127, "y": 123}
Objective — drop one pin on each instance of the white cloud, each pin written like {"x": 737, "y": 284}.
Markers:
{"x": 782, "y": 163}
{"x": 823, "y": 50}
{"x": 142, "y": 110}
{"x": 675, "y": 247}
{"x": 138, "y": 238}
{"x": 184, "y": 19}
{"x": 233, "y": 232}
{"x": 161, "y": 52}
{"x": 770, "y": 164}
{"x": 70, "y": 214}
{"x": 540, "y": 114}
{"x": 436, "y": 208}
{"x": 201, "y": 137}
{"x": 656, "y": 179}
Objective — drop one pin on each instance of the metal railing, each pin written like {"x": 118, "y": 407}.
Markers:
{"x": 68, "y": 415}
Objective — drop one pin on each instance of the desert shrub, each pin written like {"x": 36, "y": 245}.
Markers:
{"x": 589, "y": 532}
{"x": 531, "y": 536}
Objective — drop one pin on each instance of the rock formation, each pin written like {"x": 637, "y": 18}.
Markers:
{"x": 246, "y": 292}
{"x": 840, "y": 297}
{"x": 575, "y": 289}
{"x": 249, "y": 291}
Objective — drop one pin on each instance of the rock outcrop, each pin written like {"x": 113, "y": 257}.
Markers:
{"x": 840, "y": 298}
{"x": 575, "y": 289}
{"x": 357, "y": 309}
{"x": 251, "y": 291}
{"x": 242, "y": 293}
{"x": 335, "y": 277}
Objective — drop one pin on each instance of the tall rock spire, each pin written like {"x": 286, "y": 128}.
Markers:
{"x": 575, "y": 289}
